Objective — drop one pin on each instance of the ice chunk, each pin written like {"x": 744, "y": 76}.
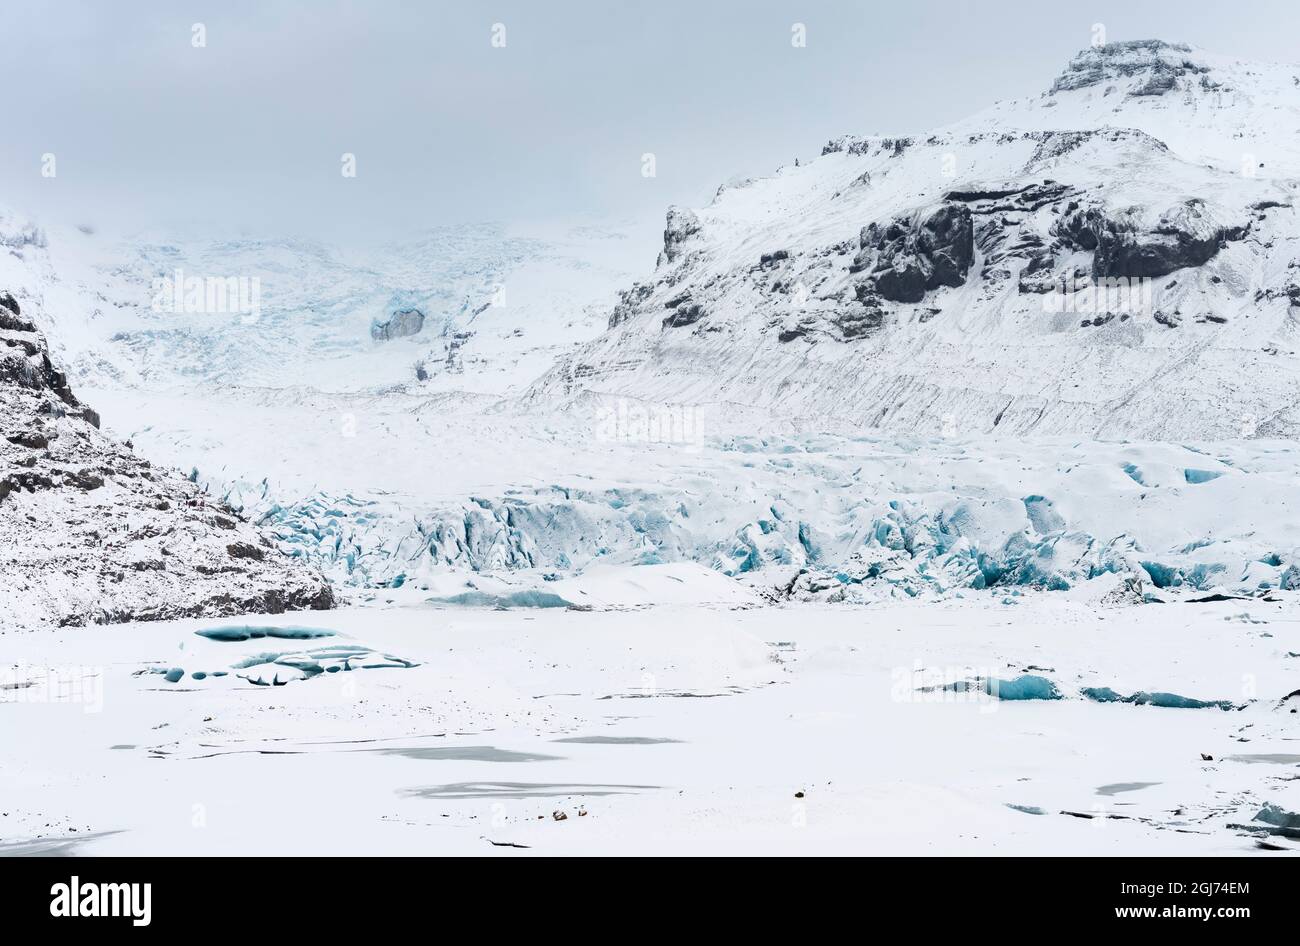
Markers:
{"x": 1279, "y": 820}
{"x": 1027, "y": 809}
{"x": 237, "y": 633}
{"x": 1027, "y": 686}
{"x": 513, "y": 599}
{"x": 1156, "y": 698}
{"x": 277, "y": 669}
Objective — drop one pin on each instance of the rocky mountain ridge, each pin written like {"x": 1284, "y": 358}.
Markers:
{"x": 90, "y": 533}
{"x": 1004, "y": 275}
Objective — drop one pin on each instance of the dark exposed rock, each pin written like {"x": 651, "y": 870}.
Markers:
{"x": 917, "y": 253}
{"x": 26, "y": 363}
{"x": 855, "y": 323}
{"x": 1162, "y": 79}
{"x": 1025, "y": 199}
{"x": 35, "y": 439}
{"x": 1121, "y": 249}
{"x": 84, "y": 479}
{"x": 1038, "y": 275}
{"x": 684, "y": 314}
{"x": 851, "y": 144}
{"x": 982, "y": 194}
{"x": 628, "y": 302}
{"x": 903, "y": 281}
{"x": 154, "y": 547}
{"x": 245, "y": 550}
{"x": 1127, "y": 253}
{"x": 10, "y": 322}
{"x": 681, "y": 226}
{"x": 771, "y": 259}
{"x": 1008, "y": 234}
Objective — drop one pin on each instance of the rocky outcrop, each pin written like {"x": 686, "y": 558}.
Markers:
{"x": 90, "y": 533}
{"x": 25, "y": 362}
{"x": 1153, "y": 67}
{"x": 628, "y": 301}
{"x": 682, "y": 311}
{"x": 401, "y": 323}
{"x": 681, "y": 226}
{"x": 915, "y": 254}
{"x": 1123, "y": 246}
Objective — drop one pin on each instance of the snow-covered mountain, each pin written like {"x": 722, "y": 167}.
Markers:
{"x": 1099, "y": 262}
{"x": 92, "y": 533}
{"x": 1117, "y": 257}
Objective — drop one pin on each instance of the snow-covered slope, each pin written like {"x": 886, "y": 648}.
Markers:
{"x": 1119, "y": 257}
{"x": 489, "y": 306}
{"x": 92, "y": 533}
{"x": 1241, "y": 117}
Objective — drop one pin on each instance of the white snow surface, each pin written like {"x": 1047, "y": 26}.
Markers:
{"x": 677, "y": 728}
{"x": 500, "y": 301}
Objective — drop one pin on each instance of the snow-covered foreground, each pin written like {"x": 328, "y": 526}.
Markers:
{"x": 709, "y": 723}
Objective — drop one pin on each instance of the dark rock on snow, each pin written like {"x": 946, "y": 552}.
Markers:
{"x": 917, "y": 253}
{"x": 152, "y": 547}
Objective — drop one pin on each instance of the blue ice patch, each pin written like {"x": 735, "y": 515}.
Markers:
{"x": 1154, "y": 698}
{"x": 233, "y": 634}
{"x": 514, "y": 599}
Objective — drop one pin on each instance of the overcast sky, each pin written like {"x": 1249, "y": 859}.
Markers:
{"x": 247, "y": 132}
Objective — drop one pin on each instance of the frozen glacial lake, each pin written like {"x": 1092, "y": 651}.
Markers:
{"x": 692, "y": 727}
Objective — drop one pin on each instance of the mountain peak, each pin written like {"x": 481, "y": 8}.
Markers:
{"x": 1142, "y": 67}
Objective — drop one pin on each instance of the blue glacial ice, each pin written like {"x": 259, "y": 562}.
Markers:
{"x": 512, "y": 599}
{"x": 237, "y": 633}
{"x": 1153, "y": 698}
{"x": 1027, "y": 686}
{"x": 844, "y": 518}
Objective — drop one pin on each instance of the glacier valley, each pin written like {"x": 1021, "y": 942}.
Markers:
{"x": 857, "y": 521}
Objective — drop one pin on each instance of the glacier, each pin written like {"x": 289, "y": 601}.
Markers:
{"x": 835, "y": 515}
